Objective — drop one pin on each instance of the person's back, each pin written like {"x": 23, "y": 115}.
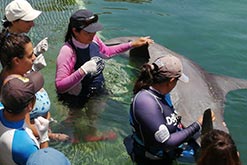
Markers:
{"x": 217, "y": 147}
{"x": 156, "y": 127}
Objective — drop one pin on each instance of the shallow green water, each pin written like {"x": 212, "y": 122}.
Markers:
{"x": 211, "y": 33}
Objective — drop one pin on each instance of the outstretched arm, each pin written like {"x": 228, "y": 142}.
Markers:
{"x": 110, "y": 51}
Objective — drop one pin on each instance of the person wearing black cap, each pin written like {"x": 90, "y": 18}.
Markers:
{"x": 79, "y": 63}
{"x": 76, "y": 77}
{"x": 17, "y": 141}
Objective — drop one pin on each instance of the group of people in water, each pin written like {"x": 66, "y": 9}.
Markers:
{"x": 158, "y": 134}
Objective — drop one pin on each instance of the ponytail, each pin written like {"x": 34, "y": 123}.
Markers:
{"x": 145, "y": 79}
{"x": 69, "y": 34}
{"x": 5, "y": 24}
{"x": 149, "y": 75}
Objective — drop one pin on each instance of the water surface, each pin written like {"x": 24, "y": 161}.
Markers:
{"x": 211, "y": 33}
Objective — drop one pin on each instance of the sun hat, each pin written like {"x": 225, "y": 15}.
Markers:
{"x": 86, "y": 20}
{"x": 48, "y": 156}
{"x": 20, "y": 9}
{"x": 171, "y": 67}
{"x": 17, "y": 91}
{"x": 42, "y": 104}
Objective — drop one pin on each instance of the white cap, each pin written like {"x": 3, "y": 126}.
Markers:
{"x": 20, "y": 9}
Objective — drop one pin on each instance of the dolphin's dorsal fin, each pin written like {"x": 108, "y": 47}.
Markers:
{"x": 207, "y": 123}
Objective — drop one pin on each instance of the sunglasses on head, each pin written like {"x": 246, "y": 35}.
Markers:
{"x": 87, "y": 21}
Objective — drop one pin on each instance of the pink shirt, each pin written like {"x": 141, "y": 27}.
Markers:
{"x": 66, "y": 77}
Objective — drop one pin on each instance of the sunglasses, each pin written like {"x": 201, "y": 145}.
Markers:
{"x": 87, "y": 21}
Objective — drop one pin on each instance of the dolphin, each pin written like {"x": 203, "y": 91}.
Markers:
{"x": 204, "y": 90}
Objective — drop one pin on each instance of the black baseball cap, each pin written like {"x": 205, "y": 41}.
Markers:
{"x": 17, "y": 91}
{"x": 85, "y": 19}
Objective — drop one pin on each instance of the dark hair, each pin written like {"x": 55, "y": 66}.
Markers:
{"x": 12, "y": 45}
{"x": 217, "y": 147}
{"x": 69, "y": 34}
{"x": 149, "y": 75}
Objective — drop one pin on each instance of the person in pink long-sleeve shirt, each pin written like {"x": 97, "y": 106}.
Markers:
{"x": 74, "y": 67}
{"x": 78, "y": 76}
{"x": 65, "y": 80}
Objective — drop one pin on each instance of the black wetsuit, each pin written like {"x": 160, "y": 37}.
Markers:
{"x": 91, "y": 85}
{"x": 149, "y": 110}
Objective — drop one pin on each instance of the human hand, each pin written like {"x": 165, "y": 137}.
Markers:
{"x": 213, "y": 115}
{"x": 42, "y": 126}
{"x": 200, "y": 120}
{"x": 39, "y": 63}
{"x": 89, "y": 67}
{"x": 142, "y": 41}
{"x": 41, "y": 47}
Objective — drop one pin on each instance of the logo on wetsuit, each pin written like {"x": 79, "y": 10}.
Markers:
{"x": 172, "y": 119}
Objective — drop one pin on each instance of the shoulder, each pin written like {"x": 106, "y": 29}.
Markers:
{"x": 144, "y": 100}
{"x": 18, "y": 144}
{"x": 21, "y": 145}
{"x": 6, "y": 140}
{"x": 98, "y": 41}
{"x": 16, "y": 137}
{"x": 66, "y": 53}
{"x": 66, "y": 48}
{"x": 144, "y": 97}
